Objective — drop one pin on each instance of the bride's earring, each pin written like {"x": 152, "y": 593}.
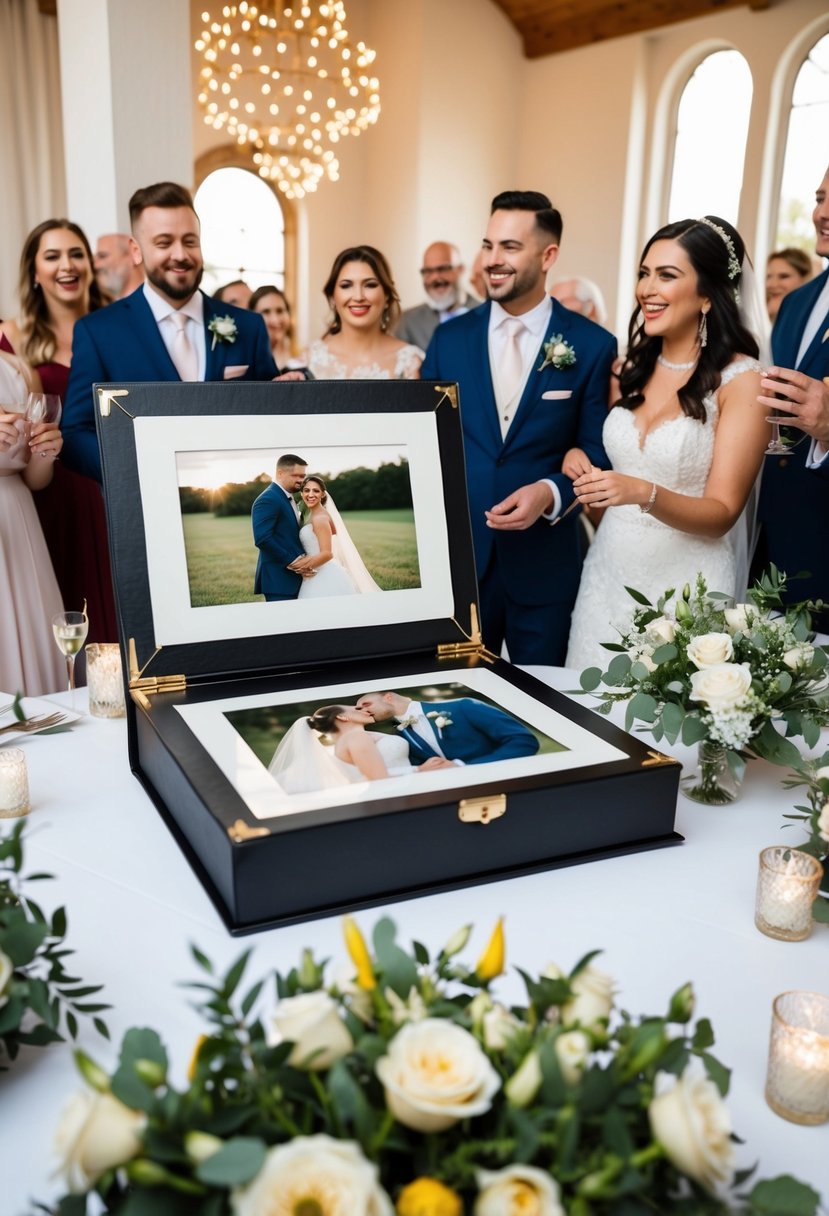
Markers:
{"x": 703, "y": 329}
{"x": 384, "y": 320}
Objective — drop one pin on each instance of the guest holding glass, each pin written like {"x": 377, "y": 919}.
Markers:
{"x": 29, "y": 595}
{"x": 57, "y": 287}
{"x": 786, "y": 270}
{"x": 358, "y": 344}
{"x": 272, "y": 305}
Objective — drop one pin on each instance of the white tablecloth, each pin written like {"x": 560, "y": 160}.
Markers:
{"x": 661, "y": 918}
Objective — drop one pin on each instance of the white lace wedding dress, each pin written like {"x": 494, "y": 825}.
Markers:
{"x": 632, "y": 548}
{"x": 330, "y": 579}
{"x": 324, "y": 365}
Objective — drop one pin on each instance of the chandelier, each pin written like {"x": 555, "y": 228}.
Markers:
{"x": 285, "y": 81}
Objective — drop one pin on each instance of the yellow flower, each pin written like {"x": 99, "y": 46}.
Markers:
{"x": 194, "y": 1059}
{"x": 491, "y": 962}
{"x": 428, "y": 1197}
{"x": 360, "y": 957}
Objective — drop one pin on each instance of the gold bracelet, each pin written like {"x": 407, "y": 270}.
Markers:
{"x": 650, "y": 501}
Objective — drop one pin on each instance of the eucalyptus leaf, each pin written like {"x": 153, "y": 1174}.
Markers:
{"x": 236, "y": 1163}
{"x": 398, "y": 967}
{"x": 783, "y": 1196}
{"x": 590, "y": 678}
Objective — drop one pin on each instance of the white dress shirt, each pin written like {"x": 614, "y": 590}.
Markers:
{"x": 820, "y": 310}
{"x": 535, "y": 324}
{"x": 193, "y": 310}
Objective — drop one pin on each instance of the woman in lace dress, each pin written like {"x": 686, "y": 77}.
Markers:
{"x": 686, "y": 437}
{"x": 303, "y": 764}
{"x": 357, "y": 344}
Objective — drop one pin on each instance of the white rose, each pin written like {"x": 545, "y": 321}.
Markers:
{"x": 435, "y": 1073}
{"x": 739, "y": 618}
{"x": 662, "y": 630}
{"x": 692, "y": 1123}
{"x": 225, "y": 327}
{"x": 96, "y": 1133}
{"x": 525, "y": 1082}
{"x": 6, "y": 973}
{"x": 799, "y": 656}
{"x": 823, "y": 822}
{"x": 710, "y": 649}
{"x": 314, "y": 1174}
{"x": 515, "y": 1190}
{"x": 311, "y": 1022}
{"x": 560, "y": 350}
{"x": 721, "y": 686}
{"x": 499, "y": 1025}
{"x": 592, "y": 1002}
{"x": 642, "y": 654}
{"x": 572, "y": 1051}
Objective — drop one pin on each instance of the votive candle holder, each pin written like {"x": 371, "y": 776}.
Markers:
{"x": 787, "y": 886}
{"x": 105, "y": 680}
{"x": 797, "y": 1083}
{"x": 14, "y": 783}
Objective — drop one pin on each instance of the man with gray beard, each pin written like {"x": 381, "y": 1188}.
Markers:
{"x": 441, "y": 273}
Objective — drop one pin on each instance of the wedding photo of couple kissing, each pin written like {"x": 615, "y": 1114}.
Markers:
{"x": 384, "y": 734}
{"x": 254, "y": 537}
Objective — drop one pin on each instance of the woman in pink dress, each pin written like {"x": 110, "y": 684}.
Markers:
{"x": 29, "y": 595}
{"x": 57, "y": 286}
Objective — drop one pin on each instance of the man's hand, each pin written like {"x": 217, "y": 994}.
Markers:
{"x": 805, "y": 401}
{"x": 299, "y": 564}
{"x": 290, "y": 376}
{"x": 520, "y": 509}
{"x": 434, "y": 762}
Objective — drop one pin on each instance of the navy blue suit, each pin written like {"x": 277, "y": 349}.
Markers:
{"x": 122, "y": 343}
{"x": 538, "y": 568}
{"x": 794, "y": 500}
{"x": 476, "y": 734}
{"x": 276, "y": 536}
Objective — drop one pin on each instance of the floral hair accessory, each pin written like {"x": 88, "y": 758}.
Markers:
{"x": 557, "y": 353}
{"x": 734, "y": 267}
{"x": 223, "y": 329}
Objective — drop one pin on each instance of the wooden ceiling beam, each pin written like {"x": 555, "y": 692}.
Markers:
{"x": 548, "y": 26}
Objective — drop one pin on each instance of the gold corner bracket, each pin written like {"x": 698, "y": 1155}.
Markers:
{"x": 143, "y": 687}
{"x": 239, "y": 832}
{"x": 473, "y": 646}
{"x": 107, "y": 397}
{"x": 449, "y": 392}
{"x": 482, "y": 810}
{"x": 656, "y": 759}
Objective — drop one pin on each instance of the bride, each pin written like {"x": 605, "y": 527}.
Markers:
{"x": 303, "y": 764}
{"x": 337, "y": 565}
{"x": 686, "y": 438}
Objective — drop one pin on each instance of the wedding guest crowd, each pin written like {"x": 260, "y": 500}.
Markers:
{"x": 666, "y": 443}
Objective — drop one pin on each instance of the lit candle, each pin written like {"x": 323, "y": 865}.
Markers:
{"x": 797, "y": 1085}
{"x": 787, "y": 886}
{"x": 105, "y": 680}
{"x": 14, "y": 783}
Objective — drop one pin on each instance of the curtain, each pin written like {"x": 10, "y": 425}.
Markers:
{"x": 31, "y": 134}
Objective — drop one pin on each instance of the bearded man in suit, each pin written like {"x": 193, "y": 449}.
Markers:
{"x": 165, "y": 330}
{"x": 534, "y": 381}
{"x": 794, "y": 492}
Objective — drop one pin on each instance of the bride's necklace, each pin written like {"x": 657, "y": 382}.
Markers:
{"x": 676, "y": 367}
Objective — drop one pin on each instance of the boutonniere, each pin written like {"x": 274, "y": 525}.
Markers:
{"x": 439, "y": 721}
{"x": 223, "y": 329}
{"x": 558, "y": 354}
{"x": 405, "y": 723}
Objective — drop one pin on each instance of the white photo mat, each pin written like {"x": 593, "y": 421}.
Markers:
{"x": 266, "y": 800}
{"x": 157, "y": 442}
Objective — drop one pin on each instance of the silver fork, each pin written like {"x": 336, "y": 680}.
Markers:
{"x": 28, "y": 725}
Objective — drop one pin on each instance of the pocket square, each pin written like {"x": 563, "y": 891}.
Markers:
{"x": 557, "y": 394}
{"x": 234, "y": 371}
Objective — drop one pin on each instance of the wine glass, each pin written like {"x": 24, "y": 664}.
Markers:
{"x": 777, "y": 444}
{"x": 70, "y": 630}
{"x": 43, "y": 407}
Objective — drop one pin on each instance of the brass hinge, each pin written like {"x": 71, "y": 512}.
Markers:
{"x": 448, "y": 392}
{"x": 107, "y": 397}
{"x": 143, "y": 687}
{"x": 240, "y": 831}
{"x": 655, "y": 759}
{"x": 473, "y": 644}
{"x": 482, "y": 810}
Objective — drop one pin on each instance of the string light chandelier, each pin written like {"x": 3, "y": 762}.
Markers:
{"x": 284, "y": 80}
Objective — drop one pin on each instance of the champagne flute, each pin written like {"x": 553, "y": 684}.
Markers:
{"x": 777, "y": 444}
{"x": 70, "y": 630}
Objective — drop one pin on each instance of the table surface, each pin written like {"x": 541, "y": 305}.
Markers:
{"x": 661, "y": 918}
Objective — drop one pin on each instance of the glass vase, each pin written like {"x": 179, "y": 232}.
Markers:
{"x": 712, "y": 782}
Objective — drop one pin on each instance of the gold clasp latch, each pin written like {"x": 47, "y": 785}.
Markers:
{"x": 482, "y": 810}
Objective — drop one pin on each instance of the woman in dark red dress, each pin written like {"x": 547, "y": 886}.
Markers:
{"x": 57, "y": 286}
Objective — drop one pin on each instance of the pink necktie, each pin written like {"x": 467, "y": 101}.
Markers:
{"x": 511, "y": 371}
{"x": 184, "y": 353}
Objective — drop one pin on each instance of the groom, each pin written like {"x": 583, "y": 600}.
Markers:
{"x": 465, "y": 731}
{"x": 534, "y": 381}
{"x": 281, "y": 565}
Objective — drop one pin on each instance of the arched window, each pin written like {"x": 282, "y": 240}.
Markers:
{"x": 242, "y": 230}
{"x": 806, "y": 149}
{"x": 710, "y": 144}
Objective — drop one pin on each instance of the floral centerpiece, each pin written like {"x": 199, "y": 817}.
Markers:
{"x": 814, "y": 775}
{"x": 38, "y": 996}
{"x": 721, "y": 675}
{"x": 401, "y": 1084}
